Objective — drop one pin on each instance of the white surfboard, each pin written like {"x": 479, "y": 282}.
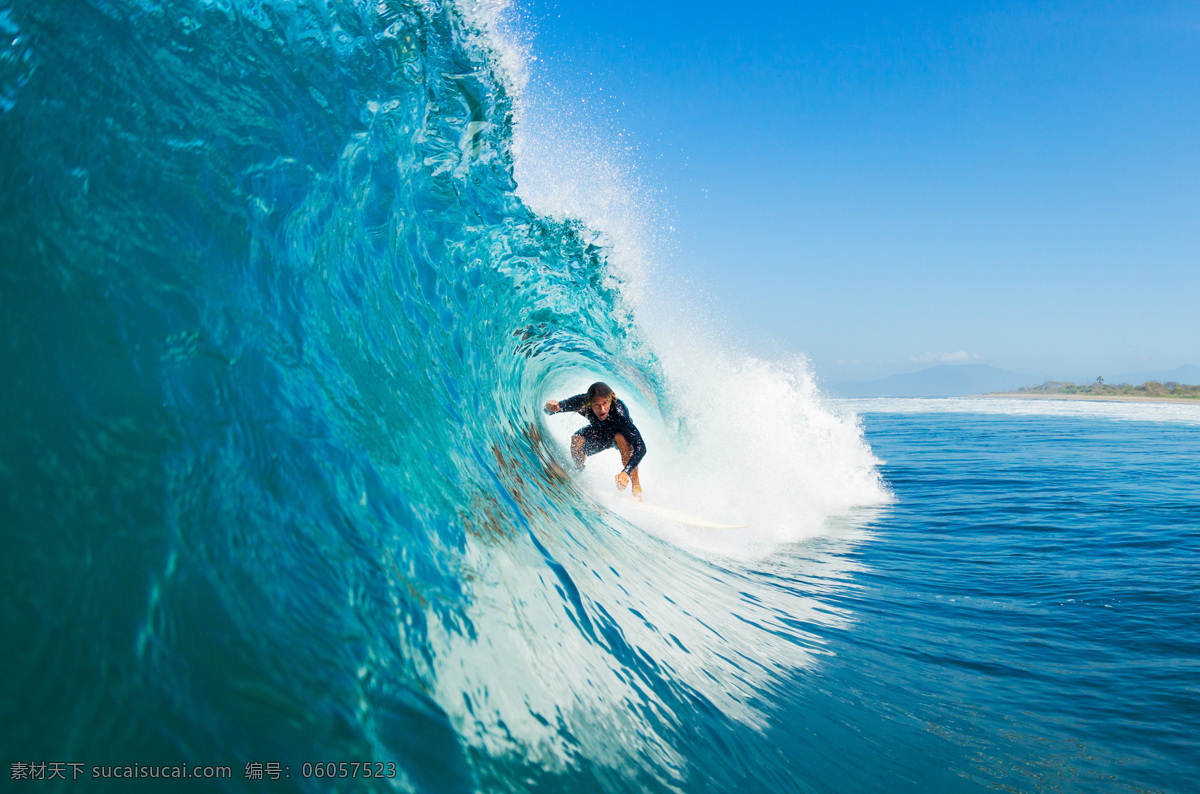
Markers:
{"x": 679, "y": 517}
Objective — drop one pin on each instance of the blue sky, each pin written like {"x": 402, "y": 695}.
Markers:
{"x": 884, "y": 187}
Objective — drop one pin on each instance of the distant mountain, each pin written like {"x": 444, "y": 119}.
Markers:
{"x": 941, "y": 381}
{"x": 1189, "y": 375}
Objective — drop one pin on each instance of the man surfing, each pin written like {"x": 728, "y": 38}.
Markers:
{"x": 608, "y": 425}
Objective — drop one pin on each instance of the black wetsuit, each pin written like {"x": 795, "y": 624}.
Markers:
{"x": 598, "y": 436}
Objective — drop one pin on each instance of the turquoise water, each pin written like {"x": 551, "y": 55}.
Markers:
{"x": 278, "y": 318}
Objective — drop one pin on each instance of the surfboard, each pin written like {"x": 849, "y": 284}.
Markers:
{"x": 680, "y": 517}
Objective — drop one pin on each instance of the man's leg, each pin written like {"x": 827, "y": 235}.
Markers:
{"x": 577, "y": 453}
{"x": 626, "y": 453}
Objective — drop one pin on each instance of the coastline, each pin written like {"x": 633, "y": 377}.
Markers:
{"x": 1120, "y": 398}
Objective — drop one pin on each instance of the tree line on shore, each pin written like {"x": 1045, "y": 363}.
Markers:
{"x": 1099, "y": 388}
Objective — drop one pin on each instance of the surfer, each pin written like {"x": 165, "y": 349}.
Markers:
{"x": 608, "y": 425}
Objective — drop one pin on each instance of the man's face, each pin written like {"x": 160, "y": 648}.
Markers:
{"x": 601, "y": 408}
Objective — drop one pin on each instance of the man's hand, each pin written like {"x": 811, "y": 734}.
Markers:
{"x": 552, "y": 407}
{"x": 622, "y": 481}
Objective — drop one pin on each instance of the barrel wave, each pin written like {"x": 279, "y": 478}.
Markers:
{"x": 277, "y": 326}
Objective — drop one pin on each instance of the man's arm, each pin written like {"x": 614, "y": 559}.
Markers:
{"x": 637, "y": 447}
{"x": 637, "y": 450}
{"x": 572, "y": 404}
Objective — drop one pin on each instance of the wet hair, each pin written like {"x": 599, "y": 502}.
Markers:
{"x": 598, "y": 391}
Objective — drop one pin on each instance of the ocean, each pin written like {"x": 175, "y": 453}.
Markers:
{"x": 284, "y": 289}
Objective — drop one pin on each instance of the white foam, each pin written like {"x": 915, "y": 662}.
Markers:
{"x": 509, "y": 42}
{"x": 1180, "y": 413}
{"x": 745, "y": 441}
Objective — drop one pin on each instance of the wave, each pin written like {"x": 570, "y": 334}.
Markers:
{"x": 279, "y": 321}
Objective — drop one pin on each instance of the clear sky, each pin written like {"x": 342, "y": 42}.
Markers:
{"x": 886, "y": 186}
